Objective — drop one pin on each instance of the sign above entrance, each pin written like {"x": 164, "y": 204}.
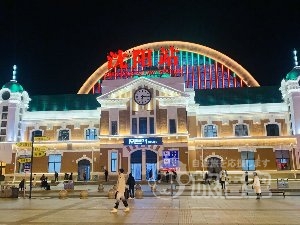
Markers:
{"x": 143, "y": 141}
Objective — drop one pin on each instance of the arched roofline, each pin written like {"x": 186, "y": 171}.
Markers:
{"x": 182, "y": 46}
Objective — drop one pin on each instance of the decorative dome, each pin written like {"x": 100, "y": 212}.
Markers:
{"x": 14, "y": 86}
{"x": 293, "y": 74}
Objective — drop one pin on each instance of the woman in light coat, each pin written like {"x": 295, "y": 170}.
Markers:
{"x": 256, "y": 185}
{"x": 121, "y": 185}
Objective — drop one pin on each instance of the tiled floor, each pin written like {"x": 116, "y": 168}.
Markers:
{"x": 151, "y": 210}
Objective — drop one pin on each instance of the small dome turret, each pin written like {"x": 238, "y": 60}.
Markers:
{"x": 13, "y": 85}
{"x": 295, "y": 72}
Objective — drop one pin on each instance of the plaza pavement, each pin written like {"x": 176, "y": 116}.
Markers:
{"x": 189, "y": 206}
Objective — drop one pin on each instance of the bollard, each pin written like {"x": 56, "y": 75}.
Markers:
{"x": 111, "y": 193}
{"x": 84, "y": 194}
{"x": 63, "y": 194}
{"x": 100, "y": 188}
{"x": 139, "y": 194}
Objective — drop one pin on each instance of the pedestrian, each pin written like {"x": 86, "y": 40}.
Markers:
{"x": 206, "y": 180}
{"x": 223, "y": 180}
{"x": 56, "y": 176}
{"x": 256, "y": 185}
{"x": 22, "y": 185}
{"x": 71, "y": 176}
{"x": 84, "y": 176}
{"x": 167, "y": 176}
{"x": 131, "y": 182}
{"x": 106, "y": 175}
{"x": 150, "y": 174}
{"x": 34, "y": 180}
{"x": 159, "y": 177}
{"x": 121, "y": 185}
{"x": 246, "y": 178}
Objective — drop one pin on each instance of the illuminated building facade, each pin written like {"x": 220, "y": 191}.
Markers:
{"x": 159, "y": 106}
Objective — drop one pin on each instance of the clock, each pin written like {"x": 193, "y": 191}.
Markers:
{"x": 142, "y": 96}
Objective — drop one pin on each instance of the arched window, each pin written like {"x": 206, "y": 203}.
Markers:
{"x": 272, "y": 129}
{"x": 210, "y": 130}
{"x": 241, "y": 130}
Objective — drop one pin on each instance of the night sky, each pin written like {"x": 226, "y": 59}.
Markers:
{"x": 58, "y": 44}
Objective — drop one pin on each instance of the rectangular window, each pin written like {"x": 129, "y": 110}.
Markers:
{"x": 63, "y": 135}
{"x": 114, "y": 161}
{"x": 272, "y": 129}
{"x": 91, "y": 134}
{"x": 3, "y": 123}
{"x": 5, "y": 109}
{"x": 134, "y": 126}
{"x": 143, "y": 125}
{"x": 152, "y": 131}
{"x": 210, "y": 131}
{"x": 3, "y": 132}
{"x": 248, "y": 162}
{"x": 283, "y": 159}
{"x": 241, "y": 130}
{"x": 4, "y": 116}
{"x": 114, "y": 127}
{"x": 54, "y": 163}
{"x": 172, "y": 126}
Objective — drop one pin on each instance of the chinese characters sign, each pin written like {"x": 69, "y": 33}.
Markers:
{"x": 142, "y": 62}
{"x": 170, "y": 159}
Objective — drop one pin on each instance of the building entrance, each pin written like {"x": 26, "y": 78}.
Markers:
{"x": 214, "y": 167}
{"x": 84, "y": 167}
{"x": 148, "y": 168}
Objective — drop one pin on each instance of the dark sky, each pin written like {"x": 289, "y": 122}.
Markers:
{"x": 58, "y": 44}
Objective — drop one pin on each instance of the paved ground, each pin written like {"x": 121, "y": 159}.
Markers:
{"x": 190, "y": 206}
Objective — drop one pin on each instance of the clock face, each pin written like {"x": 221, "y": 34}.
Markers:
{"x": 142, "y": 96}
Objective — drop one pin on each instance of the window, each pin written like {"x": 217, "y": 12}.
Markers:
{"x": 64, "y": 135}
{"x": 172, "y": 126}
{"x": 152, "y": 125}
{"x": 54, "y": 163}
{"x": 4, "y": 116}
{"x": 113, "y": 161}
{"x": 272, "y": 129}
{"x": 3, "y": 132}
{"x": 283, "y": 159}
{"x": 3, "y": 123}
{"x": 5, "y": 109}
{"x": 143, "y": 125}
{"x": 36, "y": 133}
{"x": 134, "y": 126}
{"x": 248, "y": 162}
{"x": 91, "y": 134}
{"x": 241, "y": 130}
{"x": 210, "y": 131}
{"x": 114, "y": 127}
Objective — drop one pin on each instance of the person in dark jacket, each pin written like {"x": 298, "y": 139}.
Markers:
{"x": 131, "y": 183}
{"x": 22, "y": 185}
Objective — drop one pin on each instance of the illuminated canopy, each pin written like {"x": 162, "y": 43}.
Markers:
{"x": 218, "y": 57}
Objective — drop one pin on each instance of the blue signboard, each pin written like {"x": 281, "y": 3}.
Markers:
{"x": 170, "y": 159}
{"x": 143, "y": 141}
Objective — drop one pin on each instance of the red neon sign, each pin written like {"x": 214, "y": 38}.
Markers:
{"x": 143, "y": 57}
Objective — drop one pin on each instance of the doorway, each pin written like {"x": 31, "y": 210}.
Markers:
{"x": 84, "y": 167}
{"x": 214, "y": 167}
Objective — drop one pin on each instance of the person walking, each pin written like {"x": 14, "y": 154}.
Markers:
{"x": 106, "y": 175}
{"x": 121, "y": 185}
{"x": 131, "y": 182}
{"x": 56, "y": 176}
{"x": 256, "y": 185}
{"x": 22, "y": 185}
{"x": 246, "y": 178}
{"x": 223, "y": 180}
